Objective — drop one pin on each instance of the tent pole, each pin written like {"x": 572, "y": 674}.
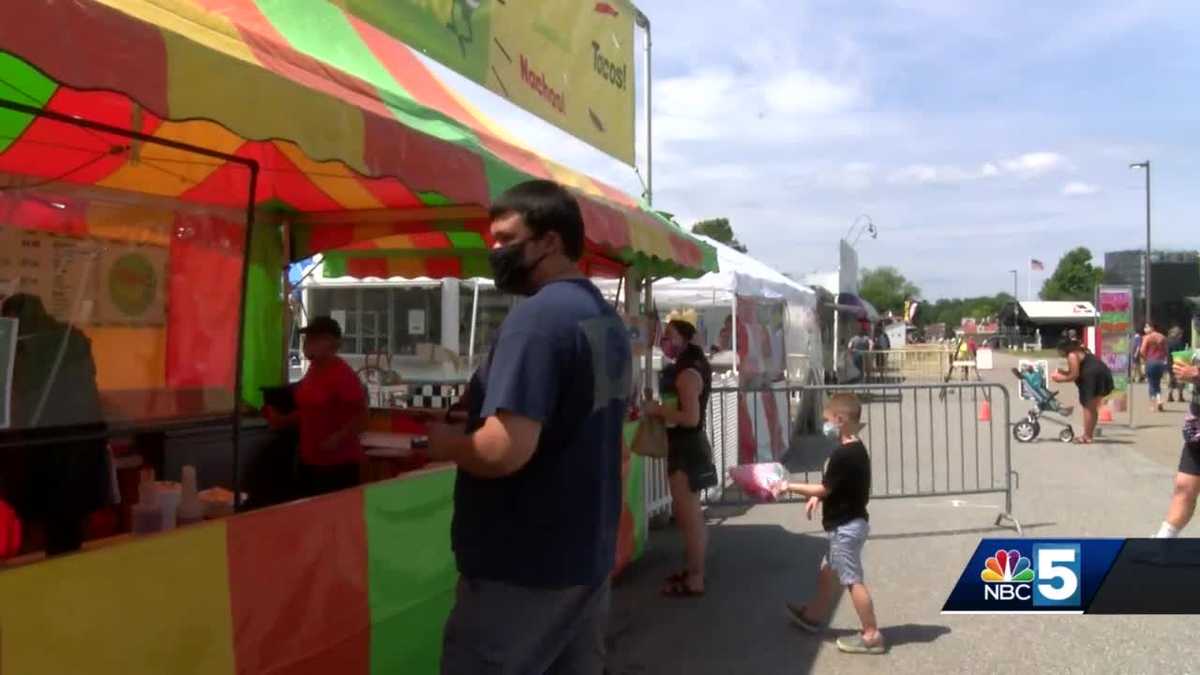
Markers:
{"x": 836, "y": 322}
{"x": 648, "y": 364}
{"x": 733, "y": 331}
{"x": 474, "y": 320}
{"x": 239, "y": 368}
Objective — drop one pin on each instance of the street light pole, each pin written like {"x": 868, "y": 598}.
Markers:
{"x": 1146, "y": 264}
{"x": 1016, "y": 307}
{"x": 869, "y": 229}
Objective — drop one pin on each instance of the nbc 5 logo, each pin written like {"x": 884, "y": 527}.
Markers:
{"x": 1050, "y": 579}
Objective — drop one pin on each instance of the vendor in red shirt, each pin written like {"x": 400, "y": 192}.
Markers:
{"x": 331, "y": 412}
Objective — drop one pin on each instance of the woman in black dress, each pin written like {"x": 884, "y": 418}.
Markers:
{"x": 690, "y": 468}
{"x": 1093, "y": 378}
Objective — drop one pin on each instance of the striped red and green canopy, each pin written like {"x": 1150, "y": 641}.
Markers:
{"x": 343, "y": 120}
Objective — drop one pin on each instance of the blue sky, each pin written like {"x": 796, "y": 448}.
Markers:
{"x": 975, "y": 134}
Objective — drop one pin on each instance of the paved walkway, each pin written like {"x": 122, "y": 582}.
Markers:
{"x": 764, "y": 555}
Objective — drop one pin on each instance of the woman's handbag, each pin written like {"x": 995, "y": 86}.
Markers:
{"x": 651, "y": 438}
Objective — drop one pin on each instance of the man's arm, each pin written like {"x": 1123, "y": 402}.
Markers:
{"x": 501, "y": 447}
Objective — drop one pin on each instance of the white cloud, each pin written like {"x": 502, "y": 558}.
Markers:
{"x": 1028, "y": 165}
{"x": 928, "y": 174}
{"x": 1079, "y": 189}
{"x": 770, "y": 106}
{"x": 800, "y": 92}
{"x": 1034, "y": 164}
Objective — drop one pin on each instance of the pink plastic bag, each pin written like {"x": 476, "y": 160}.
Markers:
{"x": 760, "y": 481}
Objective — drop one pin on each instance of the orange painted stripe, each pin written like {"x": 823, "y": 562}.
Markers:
{"x": 169, "y": 172}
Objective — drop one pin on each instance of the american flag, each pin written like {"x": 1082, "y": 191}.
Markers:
{"x": 1036, "y": 265}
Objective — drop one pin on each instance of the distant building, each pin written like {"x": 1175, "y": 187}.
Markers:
{"x": 1175, "y": 276}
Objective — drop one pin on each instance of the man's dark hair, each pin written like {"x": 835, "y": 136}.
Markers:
{"x": 545, "y": 206}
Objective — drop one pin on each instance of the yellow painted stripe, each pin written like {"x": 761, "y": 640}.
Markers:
{"x": 406, "y": 267}
{"x": 152, "y": 606}
{"x": 380, "y": 238}
{"x": 334, "y": 179}
{"x": 134, "y": 223}
{"x": 213, "y": 30}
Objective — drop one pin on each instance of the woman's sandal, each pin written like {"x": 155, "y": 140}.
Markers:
{"x": 1080, "y": 440}
{"x": 680, "y": 589}
{"x": 676, "y": 577}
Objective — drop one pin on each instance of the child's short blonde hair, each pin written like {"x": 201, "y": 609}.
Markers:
{"x": 846, "y": 406}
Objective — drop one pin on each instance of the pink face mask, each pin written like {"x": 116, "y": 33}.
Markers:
{"x": 670, "y": 349}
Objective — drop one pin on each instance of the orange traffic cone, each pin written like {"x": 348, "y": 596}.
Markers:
{"x": 985, "y": 411}
{"x": 1105, "y": 413}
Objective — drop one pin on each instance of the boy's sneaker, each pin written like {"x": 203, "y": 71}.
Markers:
{"x": 855, "y": 644}
{"x": 796, "y": 613}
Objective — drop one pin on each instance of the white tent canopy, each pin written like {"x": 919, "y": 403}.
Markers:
{"x": 742, "y": 275}
{"x": 1059, "y": 312}
{"x": 739, "y": 274}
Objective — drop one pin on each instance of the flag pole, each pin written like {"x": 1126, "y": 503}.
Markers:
{"x": 1029, "y": 282}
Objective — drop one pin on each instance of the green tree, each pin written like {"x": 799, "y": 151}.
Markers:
{"x": 720, "y": 230}
{"x": 886, "y": 288}
{"x": 951, "y": 311}
{"x": 1075, "y": 278}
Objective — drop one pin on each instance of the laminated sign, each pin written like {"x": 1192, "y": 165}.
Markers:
{"x": 569, "y": 62}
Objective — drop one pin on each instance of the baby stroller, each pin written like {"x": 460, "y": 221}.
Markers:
{"x": 1028, "y": 429}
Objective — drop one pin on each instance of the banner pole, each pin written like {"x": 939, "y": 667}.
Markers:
{"x": 644, "y": 22}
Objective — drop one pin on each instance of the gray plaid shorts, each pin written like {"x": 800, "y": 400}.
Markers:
{"x": 845, "y": 550}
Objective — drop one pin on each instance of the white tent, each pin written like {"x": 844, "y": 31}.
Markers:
{"x": 1059, "y": 312}
{"x": 739, "y": 274}
{"x": 742, "y": 275}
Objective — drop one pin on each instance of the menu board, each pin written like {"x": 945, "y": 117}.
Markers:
{"x": 133, "y": 285}
{"x": 1115, "y": 304}
{"x": 89, "y": 281}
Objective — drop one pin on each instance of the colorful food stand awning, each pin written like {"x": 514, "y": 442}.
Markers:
{"x": 341, "y": 118}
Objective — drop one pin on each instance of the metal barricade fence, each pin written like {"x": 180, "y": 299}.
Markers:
{"x": 925, "y": 440}
{"x": 910, "y": 364}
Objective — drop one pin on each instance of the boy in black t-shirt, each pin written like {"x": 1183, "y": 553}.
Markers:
{"x": 845, "y": 489}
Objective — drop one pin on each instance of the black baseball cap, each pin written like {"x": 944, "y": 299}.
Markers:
{"x": 322, "y": 325}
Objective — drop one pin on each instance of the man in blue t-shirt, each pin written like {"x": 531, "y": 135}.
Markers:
{"x": 538, "y": 495}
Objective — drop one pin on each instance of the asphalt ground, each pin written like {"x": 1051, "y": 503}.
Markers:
{"x": 763, "y": 555}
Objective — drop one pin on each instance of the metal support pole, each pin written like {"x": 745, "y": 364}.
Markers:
{"x": 733, "y": 334}
{"x": 644, "y": 22}
{"x": 1146, "y": 264}
{"x": 474, "y": 320}
{"x": 648, "y": 363}
{"x": 836, "y": 321}
{"x": 241, "y": 337}
{"x": 1149, "y": 263}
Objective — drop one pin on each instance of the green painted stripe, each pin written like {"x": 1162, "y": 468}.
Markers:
{"x": 467, "y": 240}
{"x": 321, "y": 30}
{"x": 410, "y": 570}
{"x": 20, "y": 83}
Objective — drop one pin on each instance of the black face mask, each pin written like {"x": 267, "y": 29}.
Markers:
{"x": 510, "y": 271}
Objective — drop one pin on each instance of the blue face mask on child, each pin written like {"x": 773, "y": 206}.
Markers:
{"x": 832, "y": 430}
